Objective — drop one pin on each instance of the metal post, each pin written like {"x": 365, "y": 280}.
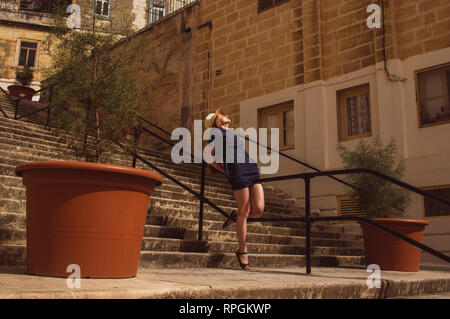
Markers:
{"x": 133, "y": 164}
{"x": 308, "y": 224}
{"x": 202, "y": 193}
{"x": 49, "y": 102}
{"x": 16, "y": 109}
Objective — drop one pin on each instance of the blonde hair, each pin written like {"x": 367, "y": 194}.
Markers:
{"x": 216, "y": 122}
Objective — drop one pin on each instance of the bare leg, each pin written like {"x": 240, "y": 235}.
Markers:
{"x": 256, "y": 200}
{"x": 242, "y": 197}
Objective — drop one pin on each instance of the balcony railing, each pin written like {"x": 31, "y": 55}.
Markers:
{"x": 157, "y": 9}
{"x": 10, "y": 5}
{"x": 45, "y": 6}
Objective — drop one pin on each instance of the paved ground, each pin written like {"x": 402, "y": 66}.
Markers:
{"x": 230, "y": 283}
{"x": 442, "y": 295}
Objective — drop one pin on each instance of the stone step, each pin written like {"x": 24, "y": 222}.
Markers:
{"x": 55, "y": 151}
{"x": 26, "y": 128}
{"x": 11, "y": 181}
{"x": 58, "y": 139}
{"x": 12, "y": 254}
{"x": 13, "y": 205}
{"x": 156, "y": 259}
{"x": 212, "y": 215}
{"x": 29, "y": 129}
{"x": 211, "y": 191}
{"x": 253, "y": 227}
{"x": 13, "y": 192}
{"x": 159, "y": 202}
{"x": 8, "y": 170}
{"x": 270, "y": 195}
{"x": 10, "y": 192}
{"x": 12, "y": 228}
{"x": 10, "y": 235}
{"x": 183, "y": 245}
{"x": 20, "y": 144}
{"x": 32, "y": 137}
{"x": 230, "y": 236}
{"x": 163, "y": 196}
{"x": 17, "y": 220}
{"x": 182, "y": 173}
{"x": 20, "y": 155}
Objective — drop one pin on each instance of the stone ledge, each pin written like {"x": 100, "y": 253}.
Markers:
{"x": 323, "y": 283}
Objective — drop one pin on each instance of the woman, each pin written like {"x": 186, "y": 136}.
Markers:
{"x": 249, "y": 194}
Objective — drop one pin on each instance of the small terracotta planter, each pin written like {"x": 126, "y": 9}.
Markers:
{"x": 390, "y": 252}
{"x": 88, "y": 214}
{"x": 19, "y": 91}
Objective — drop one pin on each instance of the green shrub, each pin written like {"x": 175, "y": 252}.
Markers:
{"x": 383, "y": 199}
{"x": 24, "y": 76}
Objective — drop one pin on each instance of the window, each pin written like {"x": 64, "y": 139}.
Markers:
{"x": 28, "y": 53}
{"x": 354, "y": 113}
{"x": 102, "y": 8}
{"x": 432, "y": 208}
{"x": 282, "y": 117}
{"x": 433, "y": 91}
{"x": 267, "y": 4}
{"x": 349, "y": 205}
{"x": 42, "y": 5}
{"x": 157, "y": 10}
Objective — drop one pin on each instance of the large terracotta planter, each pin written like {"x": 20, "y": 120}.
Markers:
{"x": 19, "y": 91}
{"x": 390, "y": 252}
{"x": 87, "y": 214}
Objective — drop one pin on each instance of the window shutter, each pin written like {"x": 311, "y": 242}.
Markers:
{"x": 348, "y": 205}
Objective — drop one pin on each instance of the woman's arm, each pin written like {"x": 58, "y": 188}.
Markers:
{"x": 217, "y": 166}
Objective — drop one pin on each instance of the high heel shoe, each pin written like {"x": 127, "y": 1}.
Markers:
{"x": 238, "y": 254}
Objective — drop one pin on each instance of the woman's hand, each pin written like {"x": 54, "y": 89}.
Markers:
{"x": 215, "y": 168}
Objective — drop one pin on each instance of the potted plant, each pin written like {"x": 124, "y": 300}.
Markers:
{"x": 87, "y": 213}
{"x": 385, "y": 203}
{"x": 24, "y": 76}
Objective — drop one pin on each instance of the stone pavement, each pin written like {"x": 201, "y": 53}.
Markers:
{"x": 229, "y": 284}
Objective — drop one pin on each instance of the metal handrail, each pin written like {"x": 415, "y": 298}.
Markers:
{"x": 308, "y": 220}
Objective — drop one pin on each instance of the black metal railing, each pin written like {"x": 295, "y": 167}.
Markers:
{"x": 308, "y": 220}
{"x": 29, "y": 110}
{"x": 307, "y": 177}
{"x": 158, "y": 9}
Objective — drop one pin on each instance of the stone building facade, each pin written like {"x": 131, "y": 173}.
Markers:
{"x": 325, "y": 71}
{"x": 24, "y": 25}
{"x": 322, "y": 71}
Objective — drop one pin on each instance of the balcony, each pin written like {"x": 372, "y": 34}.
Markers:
{"x": 28, "y": 12}
{"x": 36, "y": 5}
{"x": 29, "y": 6}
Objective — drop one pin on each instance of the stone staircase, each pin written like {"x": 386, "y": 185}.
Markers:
{"x": 170, "y": 237}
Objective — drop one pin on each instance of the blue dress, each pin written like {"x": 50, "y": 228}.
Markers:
{"x": 240, "y": 170}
